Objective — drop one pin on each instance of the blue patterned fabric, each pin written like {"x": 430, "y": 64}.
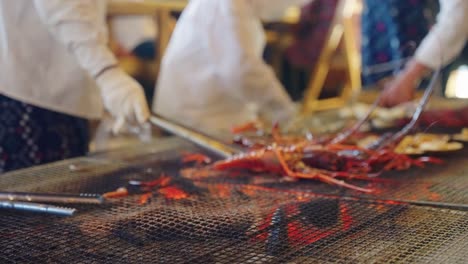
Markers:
{"x": 391, "y": 30}
{"x": 31, "y": 136}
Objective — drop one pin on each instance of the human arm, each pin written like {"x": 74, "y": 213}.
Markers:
{"x": 403, "y": 87}
{"x": 443, "y": 43}
{"x": 257, "y": 80}
{"x": 80, "y": 26}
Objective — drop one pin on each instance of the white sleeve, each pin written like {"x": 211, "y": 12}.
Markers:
{"x": 80, "y": 25}
{"x": 244, "y": 65}
{"x": 448, "y": 36}
{"x": 258, "y": 81}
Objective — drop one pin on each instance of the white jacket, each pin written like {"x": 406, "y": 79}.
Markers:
{"x": 213, "y": 70}
{"x": 49, "y": 51}
{"x": 448, "y": 36}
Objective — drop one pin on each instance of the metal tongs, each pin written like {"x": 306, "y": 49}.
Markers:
{"x": 206, "y": 142}
{"x": 35, "y": 202}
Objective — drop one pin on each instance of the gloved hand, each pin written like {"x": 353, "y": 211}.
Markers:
{"x": 123, "y": 97}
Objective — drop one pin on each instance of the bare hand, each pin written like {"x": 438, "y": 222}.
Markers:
{"x": 399, "y": 90}
{"x": 402, "y": 88}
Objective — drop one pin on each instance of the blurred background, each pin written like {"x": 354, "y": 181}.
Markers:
{"x": 325, "y": 53}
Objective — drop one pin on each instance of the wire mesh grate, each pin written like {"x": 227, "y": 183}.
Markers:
{"x": 247, "y": 226}
{"x": 224, "y": 219}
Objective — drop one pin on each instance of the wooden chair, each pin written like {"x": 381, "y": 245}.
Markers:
{"x": 340, "y": 52}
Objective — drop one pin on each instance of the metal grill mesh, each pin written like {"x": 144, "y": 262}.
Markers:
{"x": 222, "y": 220}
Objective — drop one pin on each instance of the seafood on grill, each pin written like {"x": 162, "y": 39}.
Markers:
{"x": 331, "y": 159}
{"x": 421, "y": 143}
{"x": 418, "y": 144}
{"x": 324, "y": 162}
{"x": 163, "y": 185}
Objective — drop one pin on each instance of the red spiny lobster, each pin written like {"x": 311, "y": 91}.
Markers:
{"x": 329, "y": 159}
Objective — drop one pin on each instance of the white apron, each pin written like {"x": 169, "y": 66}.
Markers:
{"x": 213, "y": 75}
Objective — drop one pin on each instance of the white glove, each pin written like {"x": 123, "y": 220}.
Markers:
{"x": 123, "y": 97}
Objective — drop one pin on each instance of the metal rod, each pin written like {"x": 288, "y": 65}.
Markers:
{"x": 37, "y": 208}
{"x": 201, "y": 140}
{"x": 52, "y": 198}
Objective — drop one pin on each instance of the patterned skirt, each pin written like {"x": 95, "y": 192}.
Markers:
{"x": 31, "y": 135}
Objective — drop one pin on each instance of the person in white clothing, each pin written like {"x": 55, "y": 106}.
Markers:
{"x": 56, "y": 72}
{"x": 443, "y": 44}
{"x": 213, "y": 75}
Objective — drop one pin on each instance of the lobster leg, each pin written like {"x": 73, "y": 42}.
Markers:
{"x": 331, "y": 180}
{"x": 275, "y": 133}
{"x": 316, "y": 175}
